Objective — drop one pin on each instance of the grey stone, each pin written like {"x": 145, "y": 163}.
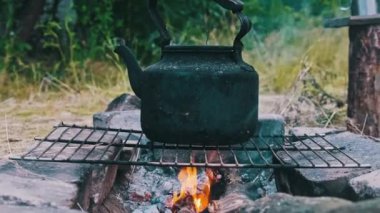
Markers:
{"x": 151, "y": 209}
{"x": 277, "y": 203}
{"x": 60, "y": 185}
{"x": 32, "y": 187}
{"x": 24, "y": 187}
{"x": 118, "y": 119}
{"x": 300, "y": 131}
{"x": 270, "y": 125}
{"x": 330, "y": 182}
{"x": 31, "y": 209}
{"x": 366, "y": 186}
{"x": 124, "y": 102}
{"x": 167, "y": 187}
{"x": 370, "y": 206}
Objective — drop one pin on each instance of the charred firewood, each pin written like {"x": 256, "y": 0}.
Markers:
{"x": 185, "y": 205}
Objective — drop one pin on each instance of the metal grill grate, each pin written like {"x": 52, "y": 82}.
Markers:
{"x": 82, "y": 144}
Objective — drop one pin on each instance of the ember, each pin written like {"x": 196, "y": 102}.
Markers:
{"x": 193, "y": 195}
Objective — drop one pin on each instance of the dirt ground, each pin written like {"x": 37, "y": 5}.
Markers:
{"x": 22, "y": 120}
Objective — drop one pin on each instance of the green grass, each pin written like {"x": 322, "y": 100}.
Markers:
{"x": 278, "y": 58}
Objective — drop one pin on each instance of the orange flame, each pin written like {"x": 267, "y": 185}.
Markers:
{"x": 189, "y": 187}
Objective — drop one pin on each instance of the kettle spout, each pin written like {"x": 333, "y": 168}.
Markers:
{"x": 134, "y": 70}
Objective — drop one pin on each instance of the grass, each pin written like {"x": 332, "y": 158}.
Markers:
{"x": 30, "y": 108}
{"x": 280, "y": 57}
{"x": 23, "y": 119}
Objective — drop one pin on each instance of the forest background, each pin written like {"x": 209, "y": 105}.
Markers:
{"x": 57, "y": 60}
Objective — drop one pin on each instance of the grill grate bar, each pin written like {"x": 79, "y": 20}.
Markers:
{"x": 247, "y": 154}
{"x": 301, "y": 152}
{"x": 340, "y": 150}
{"x": 51, "y": 145}
{"x": 273, "y": 152}
{"x": 121, "y": 150}
{"x": 95, "y": 145}
{"x": 316, "y": 153}
{"x": 83, "y": 144}
{"x": 156, "y": 145}
{"x": 287, "y": 152}
{"x": 67, "y": 144}
{"x": 327, "y": 151}
{"x": 258, "y": 151}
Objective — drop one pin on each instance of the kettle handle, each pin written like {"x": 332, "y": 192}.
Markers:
{"x": 236, "y": 6}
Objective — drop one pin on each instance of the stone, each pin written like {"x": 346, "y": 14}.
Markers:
{"x": 270, "y": 125}
{"x": 31, "y": 209}
{"x": 124, "y": 102}
{"x": 277, "y": 203}
{"x": 366, "y": 186}
{"x": 300, "y": 131}
{"x": 24, "y": 187}
{"x": 118, "y": 119}
{"x": 60, "y": 185}
{"x": 167, "y": 187}
{"x": 152, "y": 209}
{"x": 369, "y": 206}
{"x": 330, "y": 182}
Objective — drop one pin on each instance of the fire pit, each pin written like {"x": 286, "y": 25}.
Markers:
{"x": 205, "y": 172}
{"x": 187, "y": 157}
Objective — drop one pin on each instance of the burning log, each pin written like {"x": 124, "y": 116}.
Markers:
{"x": 195, "y": 193}
{"x": 185, "y": 205}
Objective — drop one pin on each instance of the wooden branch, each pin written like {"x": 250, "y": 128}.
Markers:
{"x": 352, "y": 21}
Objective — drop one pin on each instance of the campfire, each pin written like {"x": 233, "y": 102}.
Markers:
{"x": 194, "y": 195}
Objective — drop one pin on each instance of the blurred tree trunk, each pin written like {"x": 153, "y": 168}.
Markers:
{"x": 364, "y": 80}
{"x": 29, "y": 17}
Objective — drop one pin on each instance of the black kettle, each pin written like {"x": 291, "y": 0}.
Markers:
{"x": 196, "y": 94}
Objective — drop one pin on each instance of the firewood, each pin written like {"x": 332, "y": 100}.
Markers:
{"x": 230, "y": 204}
{"x": 186, "y": 210}
{"x": 184, "y": 205}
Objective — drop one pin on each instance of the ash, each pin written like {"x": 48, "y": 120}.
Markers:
{"x": 151, "y": 189}
{"x": 148, "y": 189}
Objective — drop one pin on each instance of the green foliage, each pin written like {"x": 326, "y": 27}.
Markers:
{"x": 285, "y": 32}
{"x": 95, "y": 25}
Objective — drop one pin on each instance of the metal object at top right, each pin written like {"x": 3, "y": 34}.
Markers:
{"x": 363, "y": 12}
{"x": 365, "y": 7}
